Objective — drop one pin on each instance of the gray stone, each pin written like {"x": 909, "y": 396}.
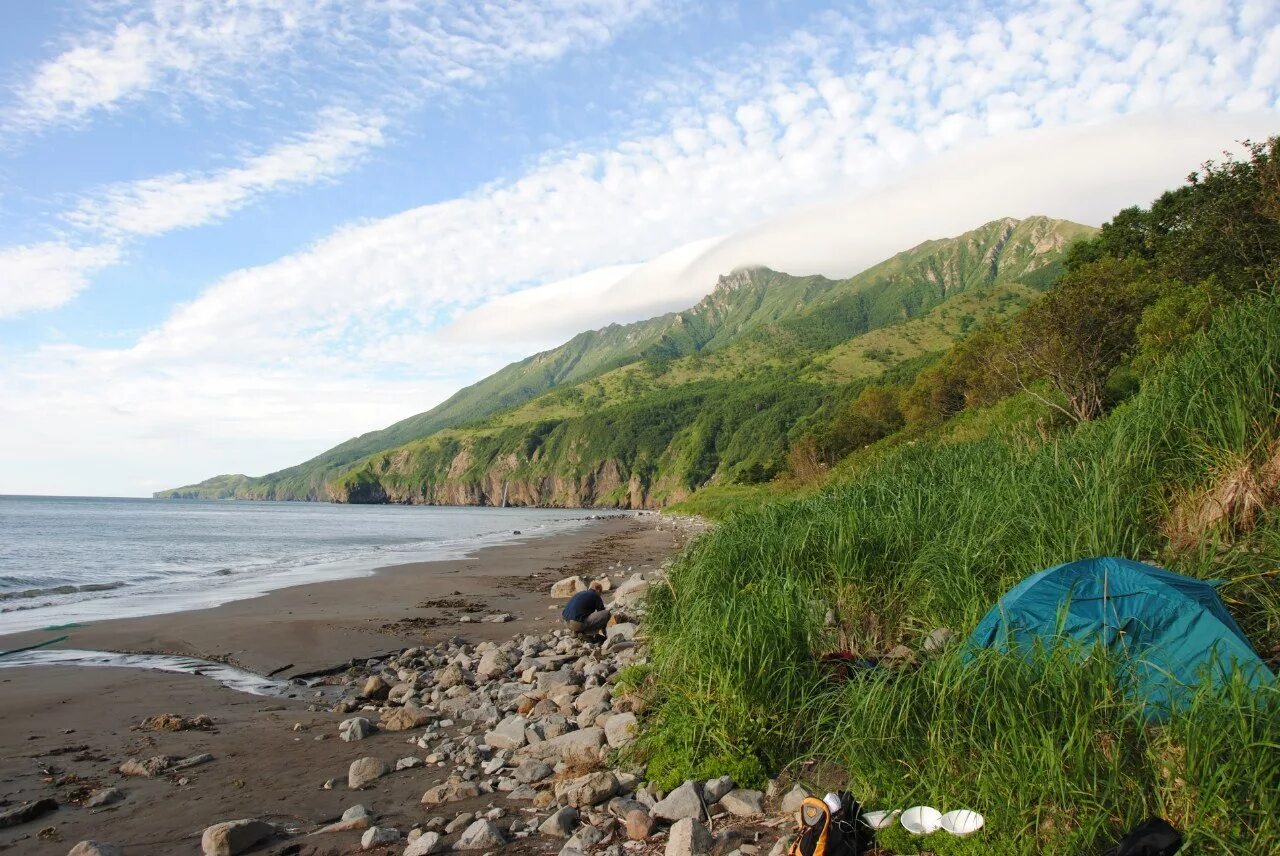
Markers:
{"x": 234, "y": 836}
{"x": 426, "y": 844}
{"x": 365, "y": 771}
{"x": 782, "y": 845}
{"x": 714, "y": 789}
{"x": 792, "y": 799}
{"x": 582, "y": 745}
{"x": 376, "y": 836}
{"x": 462, "y": 821}
{"x": 688, "y": 837}
{"x": 450, "y": 792}
{"x": 493, "y": 664}
{"x": 625, "y": 630}
{"x": 684, "y": 802}
{"x": 938, "y": 639}
{"x": 95, "y": 848}
{"x": 409, "y": 763}
{"x": 743, "y": 803}
{"x": 405, "y": 718}
{"x": 533, "y": 771}
{"x": 355, "y": 812}
{"x": 589, "y": 790}
{"x": 568, "y": 587}
{"x": 104, "y": 796}
{"x": 590, "y": 698}
{"x": 510, "y": 733}
{"x": 481, "y": 835}
{"x": 355, "y": 728}
{"x": 560, "y": 824}
{"x": 620, "y": 729}
{"x": 584, "y": 840}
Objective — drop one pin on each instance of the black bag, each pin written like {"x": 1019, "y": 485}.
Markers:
{"x": 827, "y": 833}
{"x": 1152, "y": 837}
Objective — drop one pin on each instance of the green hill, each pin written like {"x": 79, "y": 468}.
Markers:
{"x": 641, "y": 414}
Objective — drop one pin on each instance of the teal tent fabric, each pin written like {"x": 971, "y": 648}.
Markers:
{"x": 1170, "y": 633}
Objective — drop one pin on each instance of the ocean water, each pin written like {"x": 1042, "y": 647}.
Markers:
{"x": 73, "y": 560}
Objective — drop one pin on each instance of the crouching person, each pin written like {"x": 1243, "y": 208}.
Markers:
{"x": 585, "y": 613}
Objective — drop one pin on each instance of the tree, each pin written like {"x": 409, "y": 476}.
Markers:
{"x": 1074, "y": 336}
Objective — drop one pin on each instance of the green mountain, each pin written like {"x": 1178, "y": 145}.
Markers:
{"x": 642, "y": 414}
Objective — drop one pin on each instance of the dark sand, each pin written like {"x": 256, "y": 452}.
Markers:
{"x": 65, "y": 729}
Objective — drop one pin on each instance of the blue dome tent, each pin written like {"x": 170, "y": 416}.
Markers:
{"x": 1171, "y": 632}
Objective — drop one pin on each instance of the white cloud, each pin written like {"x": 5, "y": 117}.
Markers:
{"x": 160, "y": 204}
{"x": 48, "y": 274}
{"x": 216, "y": 50}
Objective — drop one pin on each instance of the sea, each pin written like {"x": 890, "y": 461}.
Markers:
{"x": 71, "y": 560}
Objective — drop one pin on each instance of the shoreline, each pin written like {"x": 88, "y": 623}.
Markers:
{"x": 70, "y": 727}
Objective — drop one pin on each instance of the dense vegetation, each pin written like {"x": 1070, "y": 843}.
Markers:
{"x": 1134, "y": 410}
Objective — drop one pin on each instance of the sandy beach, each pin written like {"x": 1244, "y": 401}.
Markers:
{"x": 68, "y": 728}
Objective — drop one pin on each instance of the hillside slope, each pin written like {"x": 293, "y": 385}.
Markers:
{"x": 640, "y": 414}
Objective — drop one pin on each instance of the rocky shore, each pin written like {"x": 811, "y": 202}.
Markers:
{"x": 478, "y": 742}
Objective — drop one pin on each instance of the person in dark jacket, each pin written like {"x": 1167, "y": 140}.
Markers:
{"x": 585, "y": 613}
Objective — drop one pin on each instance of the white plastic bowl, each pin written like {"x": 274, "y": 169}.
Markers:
{"x": 921, "y": 820}
{"x": 962, "y": 821}
{"x": 880, "y": 819}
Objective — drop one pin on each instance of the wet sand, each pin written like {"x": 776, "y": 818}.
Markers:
{"x": 67, "y": 728}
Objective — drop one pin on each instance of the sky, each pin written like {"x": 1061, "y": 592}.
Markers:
{"x": 234, "y": 233}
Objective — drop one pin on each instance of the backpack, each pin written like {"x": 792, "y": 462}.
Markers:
{"x": 824, "y": 833}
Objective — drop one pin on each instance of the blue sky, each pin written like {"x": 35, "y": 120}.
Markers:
{"x": 235, "y": 233}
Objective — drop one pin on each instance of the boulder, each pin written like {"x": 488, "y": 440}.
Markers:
{"x": 533, "y": 771}
{"x": 582, "y": 745}
{"x": 450, "y": 676}
{"x": 375, "y": 688}
{"x": 620, "y": 729}
{"x": 589, "y": 790}
{"x": 560, "y": 824}
{"x": 688, "y": 837}
{"x": 640, "y": 824}
{"x": 714, "y": 789}
{"x": 481, "y": 835}
{"x": 631, "y": 592}
{"x": 625, "y": 630}
{"x": 568, "y": 587}
{"x": 591, "y": 698}
{"x": 234, "y": 836}
{"x": 376, "y": 836}
{"x": 792, "y": 799}
{"x": 510, "y": 733}
{"x": 356, "y": 812}
{"x": 743, "y": 803}
{"x": 365, "y": 771}
{"x": 684, "y": 802}
{"x": 493, "y": 664}
{"x": 450, "y": 792}
{"x": 425, "y": 845}
{"x": 355, "y": 728}
{"x": 584, "y": 840}
{"x": 405, "y": 718}
{"x": 95, "y": 848}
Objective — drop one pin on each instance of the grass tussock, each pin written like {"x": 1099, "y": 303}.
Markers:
{"x": 930, "y": 534}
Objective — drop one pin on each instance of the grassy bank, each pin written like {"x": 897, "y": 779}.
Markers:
{"x": 929, "y": 535}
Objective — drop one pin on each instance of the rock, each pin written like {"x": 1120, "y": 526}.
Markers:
{"x": 714, "y": 789}
{"x": 938, "y": 639}
{"x": 589, "y": 790}
{"x": 95, "y": 848}
{"x": 375, "y": 688}
{"x": 782, "y": 845}
{"x": 355, "y": 812}
{"x": 355, "y": 728}
{"x": 620, "y": 729}
{"x": 405, "y": 718}
{"x": 568, "y": 587}
{"x": 792, "y": 799}
{"x": 462, "y": 821}
{"x": 450, "y": 792}
{"x": 365, "y": 771}
{"x": 632, "y": 591}
{"x": 450, "y": 676}
{"x": 425, "y": 845}
{"x": 899, "y": 657}
{"x": 688, "y": 837}
{"x": 625, "y": 630}
{"x": 510, "y": 733}
{"x": 492, "y": 664}
{"x": 376, "y": 836}
{"x": 408, "y": 763}
{"x": 743, "y": 803}
{"x": 481, "y": 835}
{"x": 584, "y": 840}
{"x": 640, "y": 824}
{"x": 150, "y": 768}
{"x": 234, "y": 836}
{"x": 590, "y": 698}
{"x": 104, "y": 796}
{"x": 561, "y": 824}
{"x": 353, "y": 825}
{"x": 193, "y": 761}
{"x": 582, "y": 745}
{"x": 27, "y": 811}
{"x": 684, "y": 802}
{"x": 533, "y": 771}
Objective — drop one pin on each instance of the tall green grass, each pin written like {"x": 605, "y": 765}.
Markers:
{"x": 930, "y": 535}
